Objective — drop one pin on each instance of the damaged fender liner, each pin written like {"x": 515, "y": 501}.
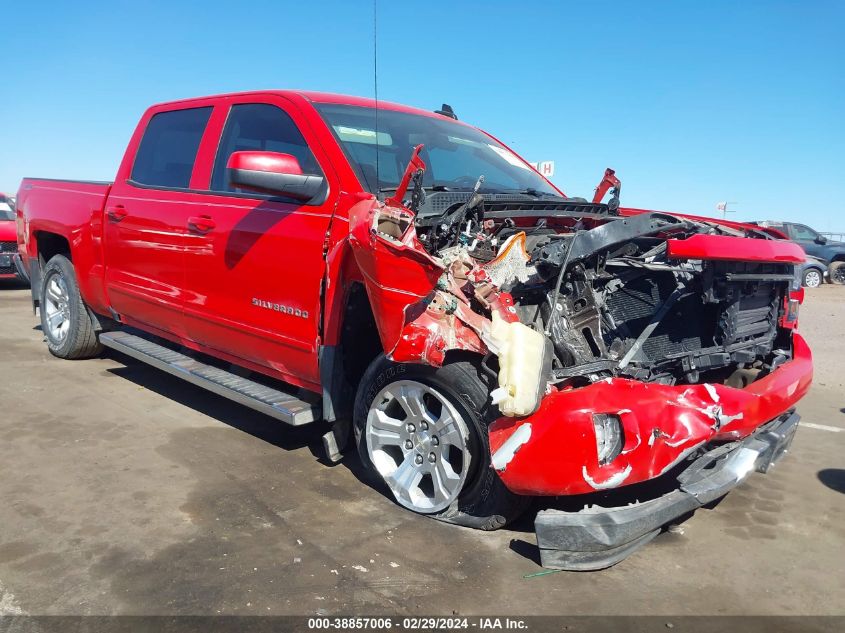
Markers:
{"x": 661, "y": 426}
{"x": 596, "y": 538}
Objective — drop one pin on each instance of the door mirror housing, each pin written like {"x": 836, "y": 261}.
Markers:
{"x": 273, "y": 173}
{"x": 821, "y": 239}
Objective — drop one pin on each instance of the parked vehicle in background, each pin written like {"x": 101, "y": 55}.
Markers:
{"x": 812, "y": 272}
{"x": 407, "y": 277}
{"x": 9, "y": 258}
{"x": 814, "y": 243}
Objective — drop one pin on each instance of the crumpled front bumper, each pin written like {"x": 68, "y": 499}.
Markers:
{"x": 553, "y": 452}
{"x": 595, "y": 538}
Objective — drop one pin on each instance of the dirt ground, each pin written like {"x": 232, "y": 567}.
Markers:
{"x": 126, "y": 491}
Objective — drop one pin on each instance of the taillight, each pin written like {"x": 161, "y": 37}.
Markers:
{"x": 791, "y": 304}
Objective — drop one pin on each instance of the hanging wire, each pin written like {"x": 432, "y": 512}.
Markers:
{"x": 375, "y": 88}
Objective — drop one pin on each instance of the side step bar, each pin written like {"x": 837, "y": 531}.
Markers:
{"x": 273, "y": 402}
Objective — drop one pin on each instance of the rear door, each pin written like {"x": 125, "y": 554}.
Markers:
{"x": 146, "y": 219}
{"x": 254, "y": 272}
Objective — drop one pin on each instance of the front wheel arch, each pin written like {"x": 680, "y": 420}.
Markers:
{"x": 484, "y": 502}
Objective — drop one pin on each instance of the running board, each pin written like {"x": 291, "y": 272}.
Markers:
{"x": 273, "y": 402}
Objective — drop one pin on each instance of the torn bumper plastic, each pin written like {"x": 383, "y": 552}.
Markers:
{"x": 596, "y": 538}
{"x": 556, "y": 451}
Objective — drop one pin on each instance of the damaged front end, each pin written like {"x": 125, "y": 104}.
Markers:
{"x": 623, "y": 345}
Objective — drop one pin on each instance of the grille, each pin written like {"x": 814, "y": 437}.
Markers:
{"x": 635, "y": 303}
{"x": 749, "y": 317}
{"x": 8, "y": 247}
{"x": 683, "y": 329}
{"x": 687, "y": 327}
{"x": 7, "y": 270}
{"x": 744, "y": 314}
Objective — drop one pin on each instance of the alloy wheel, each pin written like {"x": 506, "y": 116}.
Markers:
{"x": 418, "y": 443}
{"x": 57, "y": 307}
{"x": 812, "y": 279}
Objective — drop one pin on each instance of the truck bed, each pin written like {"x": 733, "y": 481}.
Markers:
{"x": 72, "y": 209}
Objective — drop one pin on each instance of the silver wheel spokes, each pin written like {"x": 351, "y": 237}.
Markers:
{"x": 57, "y": 308}
{"x": 418, "y": 443}
{"x": 813, "y": 279}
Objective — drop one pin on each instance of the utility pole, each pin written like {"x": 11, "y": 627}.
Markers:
{"x": 723, "y": 207}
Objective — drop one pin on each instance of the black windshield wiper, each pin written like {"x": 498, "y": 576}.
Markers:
{"x": 530, "y": 191}
{"x": 431, "y": 188}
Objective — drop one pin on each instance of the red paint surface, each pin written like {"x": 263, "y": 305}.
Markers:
{"x": 608, "y": 181}
{"x": 724, "y": 247}
{"x": 562, "y": 446}
{"x": 7, "y": 231}
{"x": 272, "y": 162}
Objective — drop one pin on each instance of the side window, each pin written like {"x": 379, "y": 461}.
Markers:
{"x": 259, "y": 127}
{"x": 169, "y": 147}
{"x": 804, "y": 233}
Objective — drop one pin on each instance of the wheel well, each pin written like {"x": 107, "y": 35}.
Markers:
{"x": 838, "y": 258}
{"x": 359, "y": 338}
{"x": 51, "y": 244}
{"x": 343, "y": 365}
{"x": 48, "y": 245}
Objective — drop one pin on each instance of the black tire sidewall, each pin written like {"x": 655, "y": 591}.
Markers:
{"x": 60, "y": 265}
{"x": 836, "y": 273}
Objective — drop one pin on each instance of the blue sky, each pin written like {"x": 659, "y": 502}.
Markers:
{"x": 690, "y": 102}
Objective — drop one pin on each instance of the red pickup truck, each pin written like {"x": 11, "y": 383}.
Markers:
{"x": 9, "y": 259}
{"x": 483, "y": 338}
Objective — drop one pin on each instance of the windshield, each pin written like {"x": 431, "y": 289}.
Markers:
{"x": 6, "y": 212}
{"x": 455, "y": 155}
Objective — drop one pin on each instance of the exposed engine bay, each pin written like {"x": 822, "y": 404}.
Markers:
{"x": 560, "y": 292}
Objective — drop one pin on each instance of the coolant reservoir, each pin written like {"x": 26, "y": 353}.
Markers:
{"x": 520, "y": 354}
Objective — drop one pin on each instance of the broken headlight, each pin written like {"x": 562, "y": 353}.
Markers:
{"x": 609, "y": 436}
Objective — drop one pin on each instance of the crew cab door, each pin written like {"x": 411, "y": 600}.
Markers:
{"x": 146, "y": 216}
{"x": 255, "y": 263}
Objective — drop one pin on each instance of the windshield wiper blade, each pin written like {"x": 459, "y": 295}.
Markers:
{"x": 431, "y": 188}
{"x": 530, "y": 191}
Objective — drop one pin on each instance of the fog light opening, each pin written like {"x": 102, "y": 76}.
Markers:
{"x": 609, "y": 436}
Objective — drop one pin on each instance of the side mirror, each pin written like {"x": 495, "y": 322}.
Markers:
{"x": 821, "y": 239}
{"x": 274, "y": 174}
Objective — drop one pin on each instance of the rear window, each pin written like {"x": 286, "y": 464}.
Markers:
{"x": 169, "y": 147}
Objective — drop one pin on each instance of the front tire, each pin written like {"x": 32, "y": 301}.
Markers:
{"x": 65, "y": 321}
{"x": 422, "y": 431}
{"x": 813, "y": 278}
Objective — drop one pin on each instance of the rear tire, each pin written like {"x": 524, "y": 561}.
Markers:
{"x": 68, "y": 327}
{"x": 450, "y": 479}
{"x": 836, "y": 273}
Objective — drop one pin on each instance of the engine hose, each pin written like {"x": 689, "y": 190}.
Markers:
{"x": 556, "y": 294}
